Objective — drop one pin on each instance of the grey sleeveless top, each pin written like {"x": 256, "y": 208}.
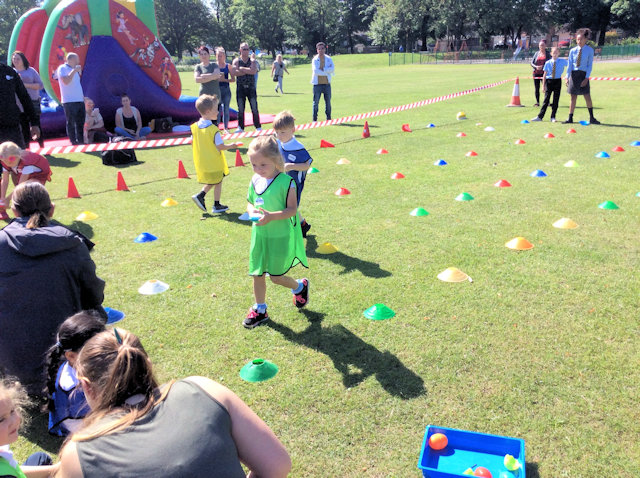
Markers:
{"x": 186, "y": 435}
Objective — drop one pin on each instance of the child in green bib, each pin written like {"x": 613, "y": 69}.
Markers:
{"x": 276, "y": 237}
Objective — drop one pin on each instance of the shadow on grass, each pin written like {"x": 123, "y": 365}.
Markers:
{"x": 61, "y": 162}
{"x": 228, "y": 216}
{"x": 353, "y": 357}
{"x": 369, "y": 269}
{"x": 531, "y": 470}
{"x": 82, "y": 227}
{"x": 36, "y": 431}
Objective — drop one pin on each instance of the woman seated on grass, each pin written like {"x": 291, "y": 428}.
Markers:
{"x": 189, "y": 427}
{"x": 129, "y": 121}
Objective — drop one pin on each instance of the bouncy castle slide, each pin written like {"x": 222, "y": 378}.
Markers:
{"x": 119, "y": 51}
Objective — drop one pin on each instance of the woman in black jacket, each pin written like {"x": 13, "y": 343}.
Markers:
{"x": 537, "y": 63}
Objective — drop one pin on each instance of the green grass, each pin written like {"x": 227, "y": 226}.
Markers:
{"x": 543, "y": 345}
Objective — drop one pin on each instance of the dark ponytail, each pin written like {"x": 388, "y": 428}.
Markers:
{"x": 32, "y": 200}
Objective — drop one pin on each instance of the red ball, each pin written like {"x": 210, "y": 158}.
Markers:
{"x": 438, "y": 441}
{"x": 481, "y": 471}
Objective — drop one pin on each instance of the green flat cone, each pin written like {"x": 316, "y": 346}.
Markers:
{"x": 419, "y": 211}
{"x": 379, "y": 312}
{"x": 638, "y": 194}
{"x": 608, "y": 205}
{"x": 464, "y": 197}
{"x": 313, "y": 170}
{"x": 258, "y": 370}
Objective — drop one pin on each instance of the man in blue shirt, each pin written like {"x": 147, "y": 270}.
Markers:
{"x": 578, "y": 71}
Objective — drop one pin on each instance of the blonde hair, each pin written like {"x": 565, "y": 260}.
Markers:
{"x": 284, "y": 119}
{"x": 9, "y": 148}
{"x": 554, "y": 49}
{"x": 12, "y": 389}
{"x": 32, "y": 200}
{"x": 206, "y": 103}
{"x": 267, "y": 146}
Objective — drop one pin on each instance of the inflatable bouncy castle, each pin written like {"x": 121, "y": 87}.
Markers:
{"x": 117, "y": 42}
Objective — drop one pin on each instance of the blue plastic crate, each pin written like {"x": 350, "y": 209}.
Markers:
{"x": 469, "y": 449}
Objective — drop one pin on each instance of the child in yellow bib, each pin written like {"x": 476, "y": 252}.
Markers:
{"x": 208, "y": 153}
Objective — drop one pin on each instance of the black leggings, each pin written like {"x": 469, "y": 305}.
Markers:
{"x": 536, "y": 83}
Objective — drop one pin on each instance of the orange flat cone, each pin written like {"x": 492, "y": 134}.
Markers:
{"x": 342, "y": 192}
{"x": 618, "y": 149}
{"x": 326, "y": 144}
{"x": 72, "y": 190}
{"x": 182, "y": 173}
{"x": 382, "y": 151}
{"x": 519, "y": 244}
{"x": 471, "y": 153}
{"x": 239, "y": 161}
{"x": 503, "y": 183}
{"x": 453, "y": 274}
{"x": 365, "y": 130}
{"x": 565, "y": 223}
{"x": 571, "y": 131}
{"x": 515, "y": 96}
{"x": 461, "y": 135}
{"x": 397, "y": 176}
{"x": 520, "y": 141}
{"x": 406, "y": 128}
{"x": 122, "y": 186}
{"x": 549, "y": 136}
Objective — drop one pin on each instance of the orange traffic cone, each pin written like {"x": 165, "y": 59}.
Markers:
{"x": 406, "y": 128}
{"x": 326, "y": 144}
{"x": 365, "y": 130}
{"x": 515, "y": 96}
{"x": 239, "y": 161}
{"x": 122, "y": 186}
{"x": 72, "y": 190}
{"x": 182, "y": 173}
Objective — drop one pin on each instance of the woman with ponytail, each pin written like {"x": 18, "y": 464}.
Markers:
{"x": 67, "y": 403}
{"x": 46, "y": 275}
{"x": 186, "y": 428}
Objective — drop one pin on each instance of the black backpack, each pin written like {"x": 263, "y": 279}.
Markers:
{"x": 118, "y": 156}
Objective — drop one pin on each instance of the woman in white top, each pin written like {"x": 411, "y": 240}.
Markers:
{"x": 129, "y": 122}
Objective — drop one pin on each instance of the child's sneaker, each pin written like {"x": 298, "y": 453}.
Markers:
{"x": 305, "y": 226}
{"x": 199, "y": 200}
{"x": 217, "y": 207}
{"x": 255, "y": 318}
{"x": 553, "y": 120}
{"x": 536, "y": 118}
{"x": 302, "y": 299}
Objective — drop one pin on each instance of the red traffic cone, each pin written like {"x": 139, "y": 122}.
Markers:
{"x": 406, "y": 128}
{"x": 182, "y": 173}
{"x": 326, "y": 144}
{"x": 515, "y": 96}
{"x": 72, "y": 190}
{"x": 239, "y": 161}
{"x": 365, "y": 130}
{"x": 122, "y": 186}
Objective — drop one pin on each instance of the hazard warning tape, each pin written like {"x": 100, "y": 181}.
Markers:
{"x": 161, "y": 143}
{"x": 597, "y": 78}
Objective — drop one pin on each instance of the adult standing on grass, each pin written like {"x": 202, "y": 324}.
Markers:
{"x": 72, "y": 96}
{"x": 12, "y": 87}
{"x": 33, "y": 83}
{"x": 190, "y": 427}
{"x": 322, "y": 69}
{"x": 537, "y": 63}
{"x": 244, "y": 69}
{"x": 207, "y": 74}
{"x": 277, "y": 71}
{"x": 225, "y": 88}
{"x": 578, "y": 71}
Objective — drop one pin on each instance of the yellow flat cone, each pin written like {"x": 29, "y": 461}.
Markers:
{"x": 169, "y": 202}
{"x": 326, "y": 248}
{"x": 519, "y": 244}
{"x": 87, "y": 216}
{"x": 565, "y": 223}
{"x": 343, "y": 161}
{"x": 453, "y": 274}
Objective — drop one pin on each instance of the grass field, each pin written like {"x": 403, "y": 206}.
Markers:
{"x": 543, "y": 345}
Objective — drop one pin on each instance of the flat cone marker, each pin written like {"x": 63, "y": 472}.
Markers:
{"x": 471, "y": 153}
{"x": 489, "y": 129}
{"x": 145, "y": 237}
{"x": 635, "y": 143}
{"x": 584, "y": 123}
{"x": 153, "y": 287}
{"x": 524, "y": 121}
{"x": 382, "y": 151}
{"x": 520, "y": 141}
{"x": 239, "y": 161}
{"x": 379, "y": 312}
{"x": 406, "y": 128}
{"x": 122, "y": 186}
{"x": 326, "y": 248}
{"x": 571, "y": 164}
{"x": 503, "y": 183}
{"x": 431, "y": 125}
{"x": 519, "y": 244}
{"x": 258, "y": 370}
{"x": 169, "y": 202}
{"x": 515, "y": 96}
{"x": 603, "y": 154}
{"x": 440, "y": 162}
{"x": 638, "y": 194}
{"x": 461, "y": 116}
{"x": 343, "y": 161}
{"x": 461, "y": 135}
{"x": 365, "y": 130}
{"x": 342, "y": 192}
{"x": 419, "y": 211}
{"x": 538, "y": 173}
{"x": 565, "y": 223}
{"x": 113, "y": 315}
{"x": 453, "y": 274}
{"x": 549, "y": 136}
{"x": 464, "y": 197}
{"x": 182, "y": 173}
{"x": 571, "y": 131}
{"x": 313, "y": 170}
{"x": 618, "y": 149}
{"x": 86, "y": 216}
{"x": 397, "y": 176}
{"x": 72, "y": 191}
{"x": 326, "y": 144}
{"x": 608, "y": 205}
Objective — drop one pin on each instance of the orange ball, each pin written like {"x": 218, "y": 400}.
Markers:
{"x": 438, "y": 441}
{"x": 481, "y": 471}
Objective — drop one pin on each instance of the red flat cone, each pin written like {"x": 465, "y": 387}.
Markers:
{"x": 122, "y": 186}
{"x": 503, "y": 183}
{"x": 365, "y": 130}
{"x": 397, "y": 176}
{"x": 571, "y": 131}
{"x": 72, "y": 190}
{"x": 461, "y": 135}
{"x": 471, "y": 153}
{"x": 342, "y": 192}
{"x": 549, "y": 136}
{"x": 182, "y": 173}
{"x": 618, "y": 149}
{"x": 326, "y": 144}
{"x": 382, "y": 151}
{"x": 239, "y": 161}
{"x": 520, "y": 141}
{"x": 405, "y": 127}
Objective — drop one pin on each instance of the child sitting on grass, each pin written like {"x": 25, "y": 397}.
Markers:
{"x": 21, "y": 166}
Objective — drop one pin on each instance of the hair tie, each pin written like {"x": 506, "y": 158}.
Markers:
{"x": 118, "y": 338}
{"x": 58, "y": 345}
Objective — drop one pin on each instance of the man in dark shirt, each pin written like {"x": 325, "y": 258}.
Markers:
{"x": 11, "y": 86}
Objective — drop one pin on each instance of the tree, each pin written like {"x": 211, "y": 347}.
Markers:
{"x": 10, "y": 13}
{"x": 310, "y": 22}
{"x": 183, "y": 24}
{"x": 227, "y": 31}
{"x": 593, "y": 14}
{"x": 626, "y": 15}
{"x": 384, "y": 27}
{"x": 260, "y": 22}
{"x": 355, "y": 16}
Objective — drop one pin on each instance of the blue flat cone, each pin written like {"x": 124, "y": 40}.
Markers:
{"x": 145, "y": 237}
{"x": 538, "y": 173}
{"x": 440, "y": 162}
{"x": 635, "y": 143}
{"x": 584, "y": 123}
{"x": 602, "y": 154}
{"x": 113, "y": 315}
{"x": 258, "y": 370}
{"x": 524, "y": 121}
{"x": 431, "y": 125}
{"x": 379, "y": 312}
